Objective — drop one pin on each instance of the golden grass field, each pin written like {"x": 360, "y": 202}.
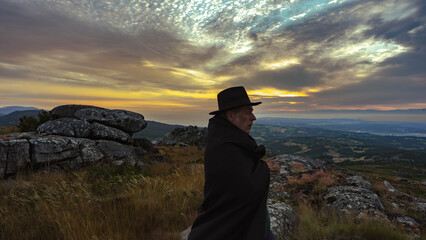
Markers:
{"x": 156, "y": 202}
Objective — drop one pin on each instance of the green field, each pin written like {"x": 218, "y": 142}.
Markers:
{"x": 340, "y": 146}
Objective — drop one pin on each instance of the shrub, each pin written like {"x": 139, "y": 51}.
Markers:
{"x": 30, "y": 123}
{"x": 27, "y": 124}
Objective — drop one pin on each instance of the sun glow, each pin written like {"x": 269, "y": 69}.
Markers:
{"x": 286, "y": 102}
{"x": 271, "y": 92}
{"x": 313, "y": 90}
{"x": 66, "y": 94}
{"x": 198, "y": 94}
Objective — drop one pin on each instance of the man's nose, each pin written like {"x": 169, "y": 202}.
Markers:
{"x": 253, "y": 117}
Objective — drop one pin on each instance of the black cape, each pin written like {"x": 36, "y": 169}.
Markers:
{"x": 236, "y": 186}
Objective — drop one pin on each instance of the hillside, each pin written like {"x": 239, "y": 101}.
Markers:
{"x": 155, "y": 130}
{"x": 338, "y": 146}
{"x": 10, "y": 109}
{"x": 352, "y": 125}
{"x": 12, "y": 119}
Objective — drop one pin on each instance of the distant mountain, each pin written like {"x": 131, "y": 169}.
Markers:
{"x": 409, "y": 115}
{"x": 351, "y": 125}
{"x": 403, "y": 111}
{"x": 12, "y": 119}
{"x": 155, "y": 130}
{"x": 10, "y": 109}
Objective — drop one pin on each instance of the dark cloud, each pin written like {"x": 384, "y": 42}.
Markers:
{"x": 322, "y": 27}
{"x": 237, "y": 66}
{"x": 411, "y": 64}
{"x": 291, "y": 78}
{"x": 398, "y": 29}
{"x": 385, "y": 91}
{"x": 413, "y": 35}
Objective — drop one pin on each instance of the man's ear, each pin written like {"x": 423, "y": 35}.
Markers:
{"x": 229, "y": 115}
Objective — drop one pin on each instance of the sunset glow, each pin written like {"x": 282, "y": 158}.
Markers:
{"x": 268, "y": 92}
{"x": 168, "y": 59}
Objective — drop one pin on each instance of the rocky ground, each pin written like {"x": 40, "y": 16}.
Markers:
{"x": 327, "y": 186}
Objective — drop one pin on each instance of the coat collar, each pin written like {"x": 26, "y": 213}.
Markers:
{"x": 221, "y": 130}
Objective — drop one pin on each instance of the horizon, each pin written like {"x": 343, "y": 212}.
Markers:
{"x": 408, "y": 116}
{"x": 168, "y": 59}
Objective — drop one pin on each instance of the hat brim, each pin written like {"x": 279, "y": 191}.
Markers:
{"x": 226, "y": 109}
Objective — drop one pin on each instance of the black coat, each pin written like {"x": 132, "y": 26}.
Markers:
{"x": 236, "y": 186}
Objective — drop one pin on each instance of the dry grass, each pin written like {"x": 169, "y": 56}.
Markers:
{"x": 183, "y": 154}
{"x": 157, "y": 202}
{"x": 317, "y": 222}
{"x": 274, "y": 168}
{"x": 313, "y": 184}
{"x": 297, "y": 167}
{"x": 314, "y": 224}
{"x": 8, "y": 129}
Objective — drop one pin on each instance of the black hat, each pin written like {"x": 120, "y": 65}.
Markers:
{"x": 232, "y": 98}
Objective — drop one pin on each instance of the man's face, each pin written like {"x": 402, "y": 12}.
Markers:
{"x": 242, "y": 117}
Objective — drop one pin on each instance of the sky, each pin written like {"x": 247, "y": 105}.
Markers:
{"x": 168, "y": 59}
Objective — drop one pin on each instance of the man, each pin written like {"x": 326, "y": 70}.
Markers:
{"x": 236, "y": 180}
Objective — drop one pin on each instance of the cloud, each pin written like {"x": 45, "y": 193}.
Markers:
{"x": 398, "y": 21}
{"x": 332, "y": 41}
{"x": 293, "y": 78}
{"x": 334, "y": 53}
{"x": 33, "y": 35}
{"x": 364, "y": 53}
{"x": 12, "y": 71}
{"x": 383, "y": 91}
{"x": 409, "y": 64}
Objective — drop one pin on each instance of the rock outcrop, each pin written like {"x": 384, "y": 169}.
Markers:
{"x": 145, "y": 144}
{"x": 354, "y": 197}
{"x": 125, "y": 120}
{"x": 290, "y": 165}
{"x": 13, "y": 156}
{"x": 390, "y": 187}
{"x": 82, "y": 121}
{"x": 190, "y": 136}
{"x": 283, "y": 219}
{"x": 81, "y": 135}
{"x": 185, "y": 234}
{"x": 353, "y": 200}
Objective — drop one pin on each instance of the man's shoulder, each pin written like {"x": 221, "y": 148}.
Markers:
{"x": 220, "y": 145}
